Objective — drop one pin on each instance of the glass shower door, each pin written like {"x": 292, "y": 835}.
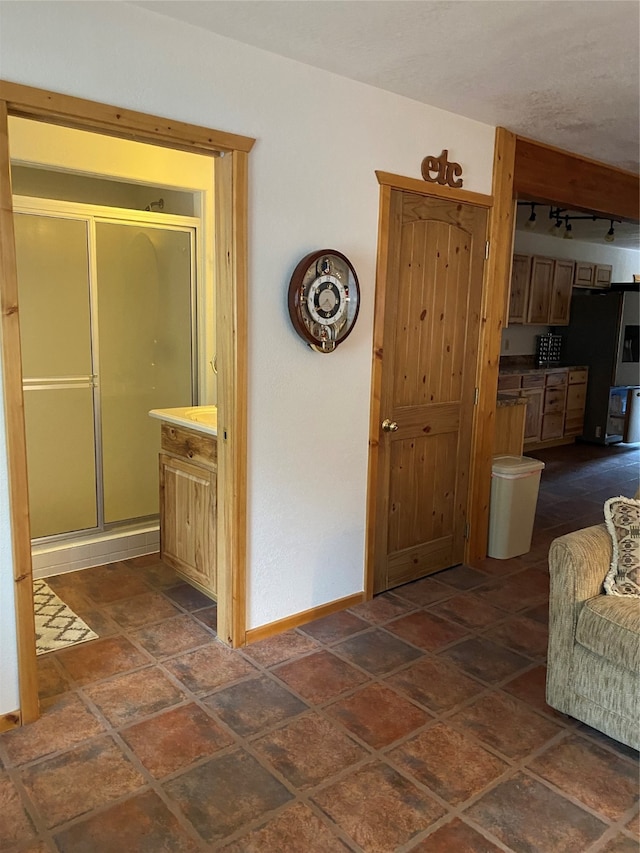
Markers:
{"x": 58, "y": 378}
{"x": 145, "y": 279}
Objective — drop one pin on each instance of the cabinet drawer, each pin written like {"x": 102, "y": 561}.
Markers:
{"x": 508, "y": 381}
{"x": 195, "y": 446}
{"x": 554, "y": 400}
{"x": 552, "y": 426}
{"x": 576, "y": 396}
{"x": 558, "y": 377}
{"x": 576, "y": 376}
{"x": 533, "y": 380}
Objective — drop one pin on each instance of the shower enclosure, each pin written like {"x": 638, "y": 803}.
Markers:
{"x": 107, "y": 313}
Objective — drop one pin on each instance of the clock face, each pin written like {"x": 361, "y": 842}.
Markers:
{"x": 324, "y": 299}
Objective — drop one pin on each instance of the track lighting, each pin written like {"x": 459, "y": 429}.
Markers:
{"x": 560, "y": 217}
{"x": 530, "y": 224}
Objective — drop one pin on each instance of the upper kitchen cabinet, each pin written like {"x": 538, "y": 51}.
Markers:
{"x": 592, "y": 275}
{"x": 540, "y": 290}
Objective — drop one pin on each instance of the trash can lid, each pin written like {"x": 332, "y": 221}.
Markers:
{"x": 515, "y": 465}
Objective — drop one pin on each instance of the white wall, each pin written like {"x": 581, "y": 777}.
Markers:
{"x": 312, "y": 185}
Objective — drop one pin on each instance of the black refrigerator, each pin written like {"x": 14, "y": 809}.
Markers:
{"x": 603, "y": 334}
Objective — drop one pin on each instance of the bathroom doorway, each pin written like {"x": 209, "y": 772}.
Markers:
{"x": 108, "y": 299}
{"x": 227, "y": 236}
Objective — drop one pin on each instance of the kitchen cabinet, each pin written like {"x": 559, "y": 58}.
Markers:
{"x": 533, "y": 390}
{"x": 576, "y": 398}
{"x": 555, "y": 403}
{"x": 592, "y": 275}
{"x": 188, "y": 501}
{"x": 555, "y": 398}
{"x": 540, "y": 290}
{"x": 584, "y": 274}
{"x": 602, "y": 275}
{"x": 519, "y": 293}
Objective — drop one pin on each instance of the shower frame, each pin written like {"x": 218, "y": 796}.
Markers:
{"x": 229, "y": 240}
{"x": 94, "y": 214}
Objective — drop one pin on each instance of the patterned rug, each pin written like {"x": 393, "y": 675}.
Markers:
{"x": 57, "y": 625}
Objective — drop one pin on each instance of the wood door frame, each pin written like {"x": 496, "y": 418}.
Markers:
{"x": 524, "y": 168}
{"x": 388, "y": 183}
{"x": 230, "y": 250}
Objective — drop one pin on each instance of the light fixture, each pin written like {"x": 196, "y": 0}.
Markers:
{"x": 530, "y": 224}
{"x": 560, "y": 216}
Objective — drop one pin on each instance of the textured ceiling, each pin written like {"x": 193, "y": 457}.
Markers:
{"x": 565, "y": 72}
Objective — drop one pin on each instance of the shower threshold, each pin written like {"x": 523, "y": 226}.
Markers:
{"x": 95, "y": 549}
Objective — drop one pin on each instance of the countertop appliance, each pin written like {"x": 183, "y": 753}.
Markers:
{"x": 604, "y": 333}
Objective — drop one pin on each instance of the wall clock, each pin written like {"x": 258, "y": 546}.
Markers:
{"x": 324, "y": 299}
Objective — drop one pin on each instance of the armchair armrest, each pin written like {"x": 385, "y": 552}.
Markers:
{"x": 578, "y": 564}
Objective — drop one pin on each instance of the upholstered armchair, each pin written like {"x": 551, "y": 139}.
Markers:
{"x": 593, "y": 662}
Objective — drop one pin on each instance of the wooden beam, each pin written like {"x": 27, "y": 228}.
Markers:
{"x": 494, "y": 303}
{"x": 548, "y": 174}
{"x": 27, "y": 102}
{"x": 15, "y": 437}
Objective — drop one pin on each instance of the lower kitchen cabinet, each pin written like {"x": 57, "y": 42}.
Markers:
{"x": 188, "y": 505}
{"x": 555, "y": 403}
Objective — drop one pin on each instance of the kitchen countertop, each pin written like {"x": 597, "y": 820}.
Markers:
{"x": 511, "y": 400}
{"x": 198, "y": 418}
{"x": 522, "y": 369}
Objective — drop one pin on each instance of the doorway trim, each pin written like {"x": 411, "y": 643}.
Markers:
{"x": 388, "y": 183}
{"x": 230, "y": 251}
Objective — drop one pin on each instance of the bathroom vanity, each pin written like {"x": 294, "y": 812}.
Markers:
{"x": 188, "y": 493}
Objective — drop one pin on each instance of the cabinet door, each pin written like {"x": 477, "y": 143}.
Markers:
{"x": 602, "y": 275}
{"x": 188, "y": 520}
{"x": 533, "y": 418}
{"x": 574, "y": 416}
{"x": 584, "y": 275}
{"x": 540, "y": 291}
{"x": 552, "y": 426}
{"x": 561, "y": 293}
{"x": 520, "y": 275}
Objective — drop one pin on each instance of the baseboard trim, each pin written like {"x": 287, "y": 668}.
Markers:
{"x": 253, "y": 635}
{"x": 10, "y": 721}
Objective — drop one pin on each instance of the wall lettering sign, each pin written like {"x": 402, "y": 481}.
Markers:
{"x": 438, "y": 170}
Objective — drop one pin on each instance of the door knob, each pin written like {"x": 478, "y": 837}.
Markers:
{"x": 389, "y": 426}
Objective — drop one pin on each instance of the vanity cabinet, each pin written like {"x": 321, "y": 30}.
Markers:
{"x": 188, "y": 501}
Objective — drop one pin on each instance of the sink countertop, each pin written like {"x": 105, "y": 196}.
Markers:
{"x": 544, "y": 369}
{"x": 197, "y": 418}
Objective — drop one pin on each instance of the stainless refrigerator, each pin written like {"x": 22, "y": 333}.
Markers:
{"x": 603, "y": 334}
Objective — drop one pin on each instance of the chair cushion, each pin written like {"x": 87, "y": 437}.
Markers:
{"x": 610, "y": 627}
{"x": 622, "y": 517}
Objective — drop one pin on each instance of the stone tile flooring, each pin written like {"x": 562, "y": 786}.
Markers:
{"x": 414, "y": 722}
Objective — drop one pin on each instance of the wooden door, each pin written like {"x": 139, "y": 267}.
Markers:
{"x": 435, "y": 252}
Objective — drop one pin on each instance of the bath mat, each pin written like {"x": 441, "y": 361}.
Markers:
{"x": 57, "y": 625}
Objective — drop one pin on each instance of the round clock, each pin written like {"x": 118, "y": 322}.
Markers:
{"x": 324, "y": 298}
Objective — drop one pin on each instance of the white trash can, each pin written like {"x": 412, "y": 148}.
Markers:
{"x": 514, "y": 494}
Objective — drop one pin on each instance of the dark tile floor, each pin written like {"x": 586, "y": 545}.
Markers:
{"x": 415, "y": 722}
